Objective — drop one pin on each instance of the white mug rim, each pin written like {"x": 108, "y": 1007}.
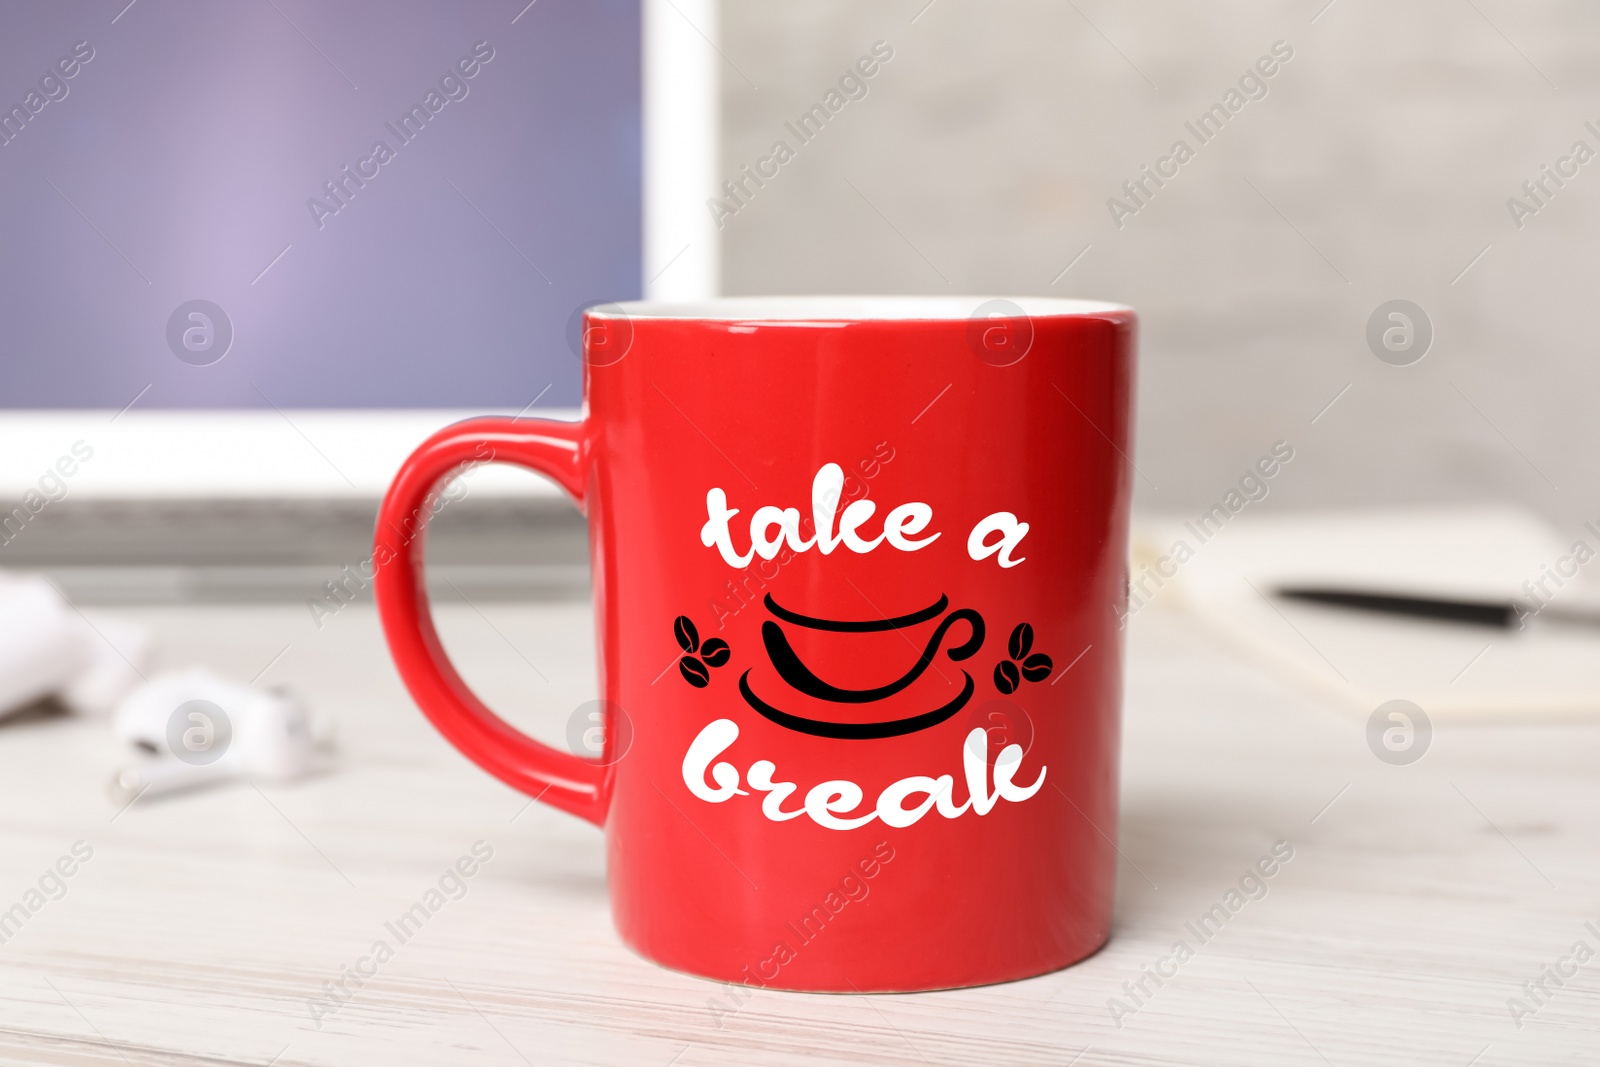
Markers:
{"x": 850, "y": 309}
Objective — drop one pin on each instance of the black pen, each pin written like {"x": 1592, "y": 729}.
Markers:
{"x": 1501, "y": 614}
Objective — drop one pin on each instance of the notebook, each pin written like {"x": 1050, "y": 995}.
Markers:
{"x": 1228, "y": 572}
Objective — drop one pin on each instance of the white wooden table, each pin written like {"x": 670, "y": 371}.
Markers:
{"x": 1416, "y": 904}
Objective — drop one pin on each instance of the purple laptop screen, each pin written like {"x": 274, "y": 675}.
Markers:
{"x": 303, "y": 205}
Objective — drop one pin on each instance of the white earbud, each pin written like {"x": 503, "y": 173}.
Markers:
{"x": 205, "y": 728}
{"x": 48, "y": 649}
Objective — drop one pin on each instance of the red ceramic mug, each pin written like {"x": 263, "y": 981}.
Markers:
{"x": 858, "y": 569}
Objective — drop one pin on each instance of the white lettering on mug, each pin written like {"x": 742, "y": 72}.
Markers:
{"x": 716, "y": 737}
{"x": 1011, "y": 534}
{"x": 833, "y": 804}
{"x": 771, "y": 528}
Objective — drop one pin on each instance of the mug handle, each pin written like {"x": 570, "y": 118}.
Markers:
{"x": 561, "y": 452}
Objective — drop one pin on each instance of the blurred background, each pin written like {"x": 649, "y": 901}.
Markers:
{"x": 350, "y": 222}
{"x": 1377, "y": 167}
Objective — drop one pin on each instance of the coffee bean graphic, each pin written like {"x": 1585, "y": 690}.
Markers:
{"x": 1037, "y": 667}
{"x": 694, "y": 672}
{"x": 1021, "y": 640}
{"x": 714, "y": 653}
{"x": 688, "y": 637}
{"x": 1006, "y": 676}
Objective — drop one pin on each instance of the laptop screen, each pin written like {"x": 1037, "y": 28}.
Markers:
{"x": 290, "y": 204}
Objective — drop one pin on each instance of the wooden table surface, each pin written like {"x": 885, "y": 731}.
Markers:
{"x": 1419, "y": 899}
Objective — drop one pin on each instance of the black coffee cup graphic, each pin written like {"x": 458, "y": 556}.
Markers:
{"x": 794, "y": 672}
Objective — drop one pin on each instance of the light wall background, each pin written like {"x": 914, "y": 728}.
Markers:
{"x": 1377, "y": 167}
